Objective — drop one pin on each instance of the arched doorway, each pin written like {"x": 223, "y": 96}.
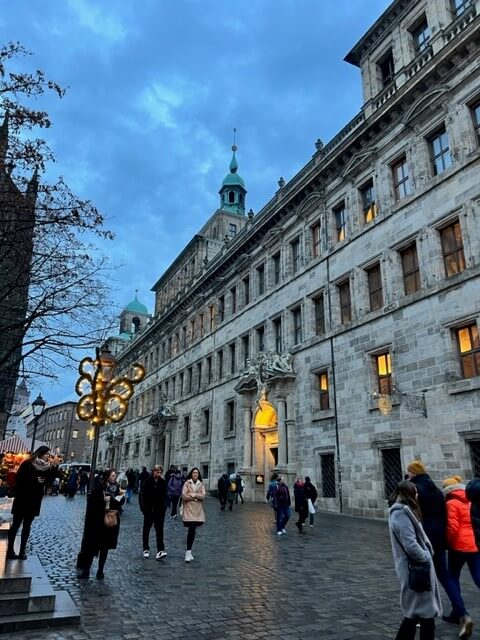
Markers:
{"x": 266, "y": 425}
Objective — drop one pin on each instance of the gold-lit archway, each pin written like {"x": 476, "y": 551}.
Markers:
{"x": 266, "y": 414}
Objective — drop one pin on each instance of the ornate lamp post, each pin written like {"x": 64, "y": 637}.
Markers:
{"x": 38, "y": 407}
{"x": 104, "y": 397}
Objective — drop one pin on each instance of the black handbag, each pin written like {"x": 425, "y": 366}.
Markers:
{"x": 418, "y": 572}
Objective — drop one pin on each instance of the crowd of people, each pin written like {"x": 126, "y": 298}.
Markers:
{"x": 434, "y": 532}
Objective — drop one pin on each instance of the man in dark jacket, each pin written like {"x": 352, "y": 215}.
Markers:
{"x": 222, "y": 486}
{"x": 131, "y": 478}
{"x": 473, "y": 494}
{"x": 144, "y": 475}
{"x": 281, "y": 502}
{"x": 434, "y": 521}
{"x": 152, "y": 500}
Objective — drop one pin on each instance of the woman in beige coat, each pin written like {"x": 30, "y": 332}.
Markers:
{"x": 193, "y": 495}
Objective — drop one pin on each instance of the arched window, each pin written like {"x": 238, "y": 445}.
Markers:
{"x": 231, "y": 196}
{"x": 136, "y": 324}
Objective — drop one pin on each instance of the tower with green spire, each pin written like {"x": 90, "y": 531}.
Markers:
{"x": 232, "y": 192}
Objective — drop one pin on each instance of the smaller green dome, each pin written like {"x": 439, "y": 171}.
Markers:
{"x": 135, "y": 306}
{"x": 233, "y": 179}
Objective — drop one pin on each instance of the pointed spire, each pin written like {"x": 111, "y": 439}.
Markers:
{"x": 4, "y": 139}
{"x": 32, "y": 188}
{"x": 234, "y": 163}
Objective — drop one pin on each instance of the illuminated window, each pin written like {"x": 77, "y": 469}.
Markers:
{"x": 74, "y": 434}
{"x": 452, "y": 249}
{"x": 469, "y": 350}
{"x": 440, "y": 152}
{"x": 319, "y": 308}
{"x": 421, "y": 36}
{"x": 401, "y": 180}
{"x": 369, "y": 207}
{"x": 315, "y": 230}
{"x": 345, "y": 302}
{"x": 340, "y": 222}
{"x": 476, "y": 119}
{"x": 383, "y": 366}
{"x": 375, "y": 287}
{"x": 323, "y": 390}
{"x": 411, "y": 272}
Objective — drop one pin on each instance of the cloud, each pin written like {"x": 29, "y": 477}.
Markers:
{"x": 106, "y": 24}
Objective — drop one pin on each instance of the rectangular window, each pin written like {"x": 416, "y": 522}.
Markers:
{"x": 319, "y": 309}
{"x": 460, "y": 6}
{"x": 186, "y": 428}
{"x": 221, "y": 308}
{"x": 189, "y": 379}
{"x": 374, "y": 276}
{"x": 202, "y": 325}
{"x": 246, "y": 349}
{"x": 173, "y": 388}
{"x": 230, "y": 416}
{"x": 74, "y": 434}
{"x": 230, "y": 468}
{"x": 204, "y": 471}
{"x": 231, "y": 348}
{"x": 181, "y": 384}
{"x": 475, "y": 453}
{"x": 295, "y": 249}
{"x": 327, "y": 467}
{"x": 297, "y": 325}
{"x": 276, "y": 268}
{"x": 192, "y": 331}
{"x": 322, "y": 379}
{"x": 233, "y": 299}
{"x": 383, "y": 367}
{"x": 184, "y": 337}
{"x": 169, "y": 352}
{"x": 452, "y": 249}
{"x": 232, "y": 230}
{"x": 469, "y": 350}
{"x": 277, "y": 330}
{"x": 345, "y": 302}
{"x": 386, "y": 68}
{"x": 199, "y": 375}
{"x": 401, "y": 180}
{"x": 440, "y": 152}
{"x": 476, "y": 120}
{"x": 411, "y": 272}
{"x": 148, "y": 445}
{"x": 246, "y": 290}
{"x": 220, "y": 364}
{"x": 340, "y": 222}
{"x": 211, "y": 312}
{"x": 260, "y": 339}
{"x": 392, "y": 470}
{"x": 369, "y": 208}
{"x": 136, "y": 449}
{"x": 206, "y": 422}
{"x": 209, "y": 369}
{"x": 126, "y": 449}
{"x": 315, "y": 230}
{"x": 421, "y": 36}
{"x": 261, "y": 279}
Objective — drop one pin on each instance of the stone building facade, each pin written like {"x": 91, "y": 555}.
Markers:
{"x": 335, "y": 333}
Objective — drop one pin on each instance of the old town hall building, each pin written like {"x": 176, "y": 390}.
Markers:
{"x": 335, "y": 332}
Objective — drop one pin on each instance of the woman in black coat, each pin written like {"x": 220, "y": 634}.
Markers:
{"x": 97, "y": 537}
{"x": 30, "y": 482}
{"x": 301, "y": 505}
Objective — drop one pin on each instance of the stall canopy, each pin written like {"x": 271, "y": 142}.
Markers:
{"x": 18, "y": 444}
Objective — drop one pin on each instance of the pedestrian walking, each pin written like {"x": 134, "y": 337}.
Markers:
{"x": 32, "y": 477}
{"x": 272, "y": 485}
{"x": 193, "y": 495}
{"x": 152, "y": 500}
{"x": 462, "y": 547}
{"x": 175, "y": 486}
{"x": 434, "y": 522}
{"x": 102, "y": 523}
{"x": 83, "y": 481}
{"x": 311, "y": 496}
{"x": 222, "y": 486}
{"x": 411, "y": 545}
{"x": 72, "y": 484}
{"x": 131, "y": 478}
{"x": 240, "y": 486}
{"x": 231, "y": 491}
{"x": 281, "y": 501}
{"x": 122, "y": 480}
{"x": 144, "y": 475}
{"x": 301, "y": 505}
{"x": 472, "y": 491}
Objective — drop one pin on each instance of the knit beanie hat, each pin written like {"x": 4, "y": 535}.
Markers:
{"x": 448, "y": 482}
{"x": 416, "y": 467}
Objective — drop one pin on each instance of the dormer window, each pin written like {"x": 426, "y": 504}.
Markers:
{"x": 421, "y": 36}
{"x": 386, "y": 68}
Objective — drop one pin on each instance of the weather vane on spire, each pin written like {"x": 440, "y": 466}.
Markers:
{"x": 234, "y": 146}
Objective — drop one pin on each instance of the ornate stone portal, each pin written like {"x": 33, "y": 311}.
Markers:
{"x": 267, "y": 387}
{"x": 162, "y": 422}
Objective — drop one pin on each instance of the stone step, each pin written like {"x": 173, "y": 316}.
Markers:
{"x": 65, "y": 612}
{"x": 40, "y": 598}
{"x": 16, "y": 575}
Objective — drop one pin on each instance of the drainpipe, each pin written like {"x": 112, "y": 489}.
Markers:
{"x": 332, "y": 357}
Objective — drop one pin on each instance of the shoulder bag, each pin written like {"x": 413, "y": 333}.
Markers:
{"x": 110, "y": 519}
{"x": 418, "y": 572}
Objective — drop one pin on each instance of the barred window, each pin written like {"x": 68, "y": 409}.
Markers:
{"x": 475, "y": 453}
{"x": 322, "y": 379}
{"x": 452, "y": 249}
{"x": 375, "y": 287}
{"x": 440, "y": 152}
{"x": 369, "y": 206}
{"x": 411, "y": 272}
{"x": 383, "y": 367}
{"x": 401, "y": 179}
{"x": 345, "y": 302}
{"x": 327, "y": 466}
{"x": 392, "y": 470}
{"x": 469, "y": 350}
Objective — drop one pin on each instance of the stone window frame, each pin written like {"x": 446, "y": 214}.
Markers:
{"x": 340, "y": 207}
{"x": 433, "y": 134}
{"x": 276, "y": 273}
{"x": 371, "y": 374}
{"x": 205, "y": 433}
{"x": 293, "y": 309}
{"x": 419, "y": 45}
{"x": 317, "y": 224}
{"x": 399, "y": 185}
{"x": 203, "y": 466}
{"x": 314, "y": 296}
{"x": 385, "y": 80}
{"x": 246, "y": 353}
{"x": 230, "y": 417}
{"x": 456, "y": 382}
{"x": 440, "y": 227}
{"x": 374, "y": 278}
{"x": 259, "y": 329}
{"x": 368, "y": 213}
{"x": 319, "y": 412}
{"x": 277, "y": 320}
{"x": 186, "y": 428}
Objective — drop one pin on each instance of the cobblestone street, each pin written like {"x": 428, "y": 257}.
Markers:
{"x": 337, "y": 581}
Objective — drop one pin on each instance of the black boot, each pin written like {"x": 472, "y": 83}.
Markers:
{"x": 11, "y": 555}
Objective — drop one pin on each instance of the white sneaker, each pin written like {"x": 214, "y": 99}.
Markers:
{"x": 160, "y": 555}
{"x": 311, "y": 526}
{"x": 146, "y": 553}
{"x": 279, "y": 533}
{"x": 284, "y": 531}
{"x": 188, "y": 556}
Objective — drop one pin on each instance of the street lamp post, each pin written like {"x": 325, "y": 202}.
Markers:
{"x": 104, "y": 397}
{"x": 38, "y": 407}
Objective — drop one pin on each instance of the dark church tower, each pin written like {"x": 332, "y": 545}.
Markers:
{"x": 17, "y": 222}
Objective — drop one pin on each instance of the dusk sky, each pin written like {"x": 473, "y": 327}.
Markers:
{"x": 155, "y": 90}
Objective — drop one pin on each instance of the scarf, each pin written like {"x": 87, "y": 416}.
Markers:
{"x": 40, "y": 465}
{"x": 110, "y": 489}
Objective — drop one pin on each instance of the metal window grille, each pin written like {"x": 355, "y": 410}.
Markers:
{"x": 392, "y": 470}
{"x": 475, "y": 453}
{"x": 327, "y": 464}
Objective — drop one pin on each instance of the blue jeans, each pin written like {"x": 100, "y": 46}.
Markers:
{"x": 283, "y": 515}
{"x": 456, "y": 560}
{"x": 129, "y": 493}
{"x": 452, "y": 588}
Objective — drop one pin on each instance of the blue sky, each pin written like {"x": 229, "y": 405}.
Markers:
{"x": 155, "y": 90}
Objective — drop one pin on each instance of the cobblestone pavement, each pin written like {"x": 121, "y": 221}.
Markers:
{"x": 337, "y": 581}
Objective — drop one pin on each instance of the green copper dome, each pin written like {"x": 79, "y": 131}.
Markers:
{"x": 233, "y": 179}
{"x": 135, "y": 306}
